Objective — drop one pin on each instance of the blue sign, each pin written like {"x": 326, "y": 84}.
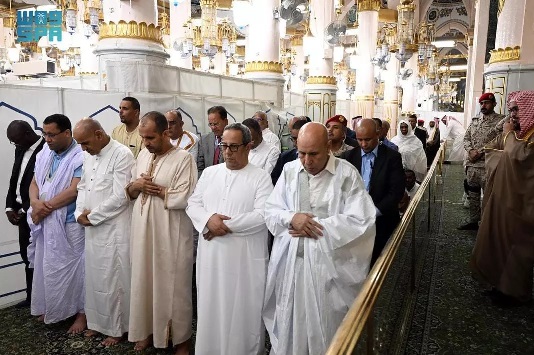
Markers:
{"x": 32, "y": 25}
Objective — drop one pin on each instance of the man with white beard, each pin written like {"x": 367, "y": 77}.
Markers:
{"x": 102, "y": 207}
{"x": 227, "y": 209}
{"x": 323, "y": 222}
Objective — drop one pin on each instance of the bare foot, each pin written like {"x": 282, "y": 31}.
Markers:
{"x": 183, "y": 348}
{"x": 40, "y": 318}
{"x": 110, "y": 341}
{"x": 79, "y": 325}
{"x": 90, "y": 333}
{"x": 143, "y": 344}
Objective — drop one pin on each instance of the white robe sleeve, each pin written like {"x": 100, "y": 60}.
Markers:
{"x": 114, "y": 204}
{"x": 195, "y": 204}
{"x": 80, "y": 199}
{"x": 182, "y": 185}
{"x": 278, "y": 214}
{"x": 272, "y": 158}
{"x": 245, "y": 224}
{"x": 355, "y": 221}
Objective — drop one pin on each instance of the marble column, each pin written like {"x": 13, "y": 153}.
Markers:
{"x": 511, "y": 66}
{"x": 391, "y": 95}
{"x": 129, "y": 33}
{"x": 320, "y": 89}
{"x": 178, "y": 15}
{"x": 477, "y": 55}
{"x": 408, "y": 89}
{"x": 262, "y": 50}
{"x": 297, "y": 85}
{"x": 368, "y": 32}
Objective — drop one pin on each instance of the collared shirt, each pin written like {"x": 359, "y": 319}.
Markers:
{"x": 57, "y": 158}
{"x": 368, "y": 161}
{"x": 318, "y": 183}
{"x": 130, "y": 139}
{"x": 24, "y": 164}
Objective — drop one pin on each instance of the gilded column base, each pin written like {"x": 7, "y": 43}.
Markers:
{"x": 320, "y": 103}
{"x": 268, "y": 71}
{"x": 132, "y": 30}
{"x": 391, "y": 114}
{"x": 507, "y": 54}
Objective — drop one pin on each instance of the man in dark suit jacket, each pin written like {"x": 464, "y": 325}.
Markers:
{"x": 27, "y": 145}
{"x": 383, "y": 176}
{"x": 419, "y": 132}
{"x": 209, "y": 152}
{"x": 289, "y": 155}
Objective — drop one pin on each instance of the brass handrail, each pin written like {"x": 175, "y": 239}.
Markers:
{"x": 348, "y": 333}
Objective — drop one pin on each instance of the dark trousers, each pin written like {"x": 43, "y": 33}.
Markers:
{"x": 24, "y": 241}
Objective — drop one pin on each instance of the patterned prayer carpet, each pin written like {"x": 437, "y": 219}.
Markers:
{"x": 446, "y": 314}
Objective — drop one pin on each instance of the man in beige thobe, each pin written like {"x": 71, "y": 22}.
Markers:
{"x": 161, "y": 240}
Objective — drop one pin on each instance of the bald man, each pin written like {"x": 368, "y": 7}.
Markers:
{"x": 323, "y": 222}
{"x": 27, "y": 144}
{"x": 267, "y": 134}
{"x": 102, "y": 207}
{"x": 383, "y": 176}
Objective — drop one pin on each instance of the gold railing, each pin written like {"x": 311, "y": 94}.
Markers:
{"x": 360, "y": 315}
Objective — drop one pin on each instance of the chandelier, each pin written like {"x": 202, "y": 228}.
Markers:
{"x": 383, "y": 56}
{"x": 206, "y": 37}
{"x": 405, "y": 42}
{"x": 447, "y": 90}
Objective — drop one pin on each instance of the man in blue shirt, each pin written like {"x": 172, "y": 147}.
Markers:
{"x": 383, "y": 176}
{"x": 58, "y": 242}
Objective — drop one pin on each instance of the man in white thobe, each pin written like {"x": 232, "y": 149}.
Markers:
{"x": 163, "y": 178}
{"x": 180, "y": 137}
{"x": 262, "y": 154}
{"x": 102, "y": 207}
{"x": 323, "y": 222}
{"x": 268, "y": 135}
{"x": 454, "y": 131}
{"x": 227, "y": 211}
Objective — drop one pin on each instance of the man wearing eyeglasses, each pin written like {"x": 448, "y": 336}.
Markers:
{"x": 180, "y": 137}
{"x": 227, "y": 210}
{"x": 58, "y": 242}
{"x": 268, "y": 135}
{"x": 27, "y": 144}
{"x": 209, "y": 151}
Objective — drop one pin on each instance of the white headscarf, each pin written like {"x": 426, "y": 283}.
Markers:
{"x": 412, "y": 151}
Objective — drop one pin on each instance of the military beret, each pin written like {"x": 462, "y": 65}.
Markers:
{"x": 486, "y": 97}
{"x": 338, "y": 119}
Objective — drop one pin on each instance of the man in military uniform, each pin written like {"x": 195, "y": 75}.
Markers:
{"x": 481, "y": 131}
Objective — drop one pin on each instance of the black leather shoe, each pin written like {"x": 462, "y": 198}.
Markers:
{"x": 471, "y": 226}
{"x": 23, "y": 304}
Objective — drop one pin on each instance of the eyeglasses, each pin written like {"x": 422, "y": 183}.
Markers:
{"x": 217, "y": 124}
{"x": 515, "y": 108}
{"x": 259, "y": 118}
{"x": 51, "y": 135}
{"x": 293, "y": 139}
{"x": 233, "y": 147}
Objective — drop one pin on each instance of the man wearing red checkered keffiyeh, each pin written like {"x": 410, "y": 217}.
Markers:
{"x": 503, "y": 256}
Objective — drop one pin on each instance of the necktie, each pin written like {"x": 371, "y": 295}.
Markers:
{"x": 217, "y": 151}
{"x": 304, "y": 204}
